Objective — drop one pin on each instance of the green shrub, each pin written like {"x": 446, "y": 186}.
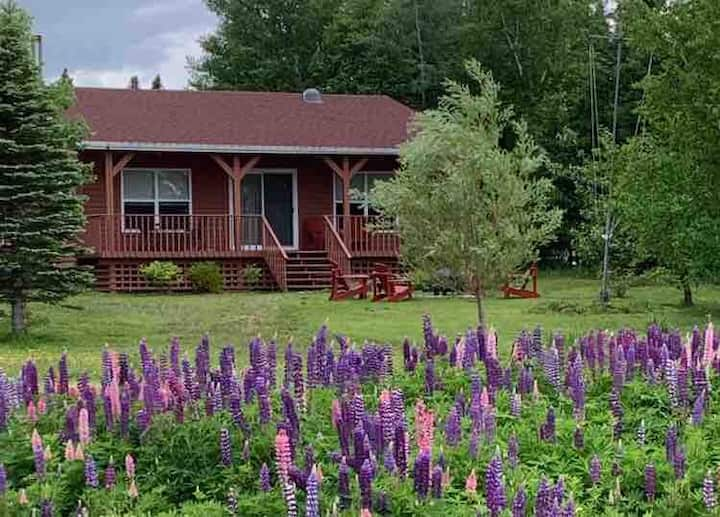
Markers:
{"x": 206, "y": 277}
{"x": 252, "y": 274}
{"x": 161, "y": 273}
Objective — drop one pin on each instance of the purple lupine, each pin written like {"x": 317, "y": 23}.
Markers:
{"x": 91, "y": 476}
{"x": 436, "y": 482}
{"x": 489, "y": 424}
{"x": 519, "y": 502}
{"x": 474, "y": 442}
{"x": 389, "y": 461}
{"x": 595, "y": 469}
{"x": 290, "y": 498}
{"x": 3, "y": 480}
{"x": 365, "y": 480}
{"x": 453, "y": 430}
{"x": 671, "y": 439}
{"x": 261, "y": 387}
{"x": 547, "y": 429}
{"x": 495, "y": 487}
{"x": 312, "y": 505}
{"x": 226, "y": 456}
{"x": 698, "y": 409}
{"x": 513, "y": 450}
{"x": 551, "y": 365}
{"x": 543, "y": 499}
{"x": 515, "y": 405}
{"x": 559, "y": 490}
{"x": 344, "y": 485}
{"x": 568, "y": 510}
{"x": 429, "y": 377}
{"x": 49, "y": 384}
{"x": 401, "y": 450}
{"x": 709, "y": 497}
{"x": 110, "y": 476}
{"x": 679, "y": 463}
{"x": 47, "y": 509}
{"x": 421, "y": 473}
{"x": 265, "y": 485}
{"x": 650, "y": 482}
{"x": 617, "y": 411}
{"x": 39, "y": 457}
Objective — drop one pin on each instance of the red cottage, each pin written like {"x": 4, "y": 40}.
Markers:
{"x": 279, "y": 180}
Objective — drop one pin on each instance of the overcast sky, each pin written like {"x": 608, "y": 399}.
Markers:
{"x": 104, "y": 42}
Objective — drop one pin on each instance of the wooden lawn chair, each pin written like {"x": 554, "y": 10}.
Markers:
{"x": 516, "y": 286}
{"x": 348, "y": 286}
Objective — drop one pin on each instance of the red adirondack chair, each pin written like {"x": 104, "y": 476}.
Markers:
{"x": 516, "y": 286}
{"x": 348, "y": 286}
{"x": 389, "y": 286}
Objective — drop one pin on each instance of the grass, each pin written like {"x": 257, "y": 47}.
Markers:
{"x": 84, "y": 323}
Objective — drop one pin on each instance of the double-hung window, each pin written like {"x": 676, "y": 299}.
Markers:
{"x": 361, "y": 186}
{"x": 156, "y": 199}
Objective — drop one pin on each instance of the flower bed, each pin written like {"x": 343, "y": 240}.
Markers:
{"x": 616, "y": 424}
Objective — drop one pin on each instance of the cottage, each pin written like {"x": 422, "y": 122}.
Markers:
{"x": 280, "y": 180}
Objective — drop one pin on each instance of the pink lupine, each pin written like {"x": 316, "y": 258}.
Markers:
{"x": 471, "y": 483}
{"x": 336, "y": 413}
{"x": 69, "y": 451}
{"x": 32, "y": 412}
{"x": 22, "y": 497}
{"x": 79, "y": 453}
{"x": 709, "y": 353}
{"x": 35, "y": 439}
{"x": 112, "y": 391}
{"x": 130, "y": 466}
{"x": 491, "y": 344}
{"x": 42, "y": 406}
{"x": 283, "y": 456}
{"x": 133, "y": 491}
{"x": 424, "y": 428}
{"x": 365, "y": 513}
{"x": 83, "y": 426}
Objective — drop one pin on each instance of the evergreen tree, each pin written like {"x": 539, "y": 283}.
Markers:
{"x": 41, "y": 212}
{"x": 134, "y": 83}
{"x": 157, "y": 83}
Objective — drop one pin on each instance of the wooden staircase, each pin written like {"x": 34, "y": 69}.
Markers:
{"x": 308, "y": 270}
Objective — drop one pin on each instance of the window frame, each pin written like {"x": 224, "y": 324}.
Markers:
{"x": 156, "y": 198}
{"x": 365, "y": 202}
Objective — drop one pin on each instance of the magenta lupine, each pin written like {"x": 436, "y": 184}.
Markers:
{"x": 365, "y": 480}
{"x": 91, "y": 476}
{"x": 519, "y": 503}
{"x": 650, "y": 482}
{"x": 312, "y": 506}
{"x": 495, "y": 487}
{"x": 421, "y": 473}
{"x": 225, "y": 448}
{"x": 513, "y": 450}
{"x": 110, "y": 475}
{"x": 709, "y": 497}
{"x": 595, "y": 469}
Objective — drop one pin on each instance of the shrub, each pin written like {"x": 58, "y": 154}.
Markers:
{"x": 206, "y": 277}
{"x": 160, "y": 273}
{"x": 252, "y": 274}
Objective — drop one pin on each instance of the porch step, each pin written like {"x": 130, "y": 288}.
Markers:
{"x": 308, "y": 270}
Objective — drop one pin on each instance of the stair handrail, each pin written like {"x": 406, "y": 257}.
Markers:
{"x": 274, "y": 254}
{"x": 337, "y": 251}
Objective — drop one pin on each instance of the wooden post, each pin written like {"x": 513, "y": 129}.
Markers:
{"x": 110, "y": 199}
{"x": 345, "y": 173}
{"x": 237, "y": 176}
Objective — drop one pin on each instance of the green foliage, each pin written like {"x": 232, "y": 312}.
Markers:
{"x": 206, "y": 277}
{"x": 41, "y": 212}
{"x": 252, "y": 275}
{"x": 465, "y": 196}
{"x": 160, "y": 273}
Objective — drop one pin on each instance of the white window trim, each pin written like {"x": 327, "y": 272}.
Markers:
{"x": 157, "y": 200}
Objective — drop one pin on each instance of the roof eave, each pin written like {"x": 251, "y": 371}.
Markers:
{"x": 239, "y": 149}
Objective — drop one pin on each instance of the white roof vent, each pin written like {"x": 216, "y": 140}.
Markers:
{"x": 312, "y": 96}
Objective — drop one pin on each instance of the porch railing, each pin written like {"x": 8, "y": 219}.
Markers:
{"x": 147, "y": 236}
{"x": 274, "y": 255}
{"x": 336, "y": 249}
{"x": 368, "y": 235}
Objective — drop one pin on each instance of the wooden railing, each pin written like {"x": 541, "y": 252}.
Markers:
{"x": 274, "y": 255}
{"x": 368, "y": 235}
{"x": 146, "y": 236}
{"x": 335, "y": 247}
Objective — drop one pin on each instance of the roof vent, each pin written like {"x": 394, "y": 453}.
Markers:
{"x": 312, "y": 96}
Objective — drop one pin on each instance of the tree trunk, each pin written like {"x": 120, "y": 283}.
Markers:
{"x": 18, "y": 314}
{"x": 687, "y": 294}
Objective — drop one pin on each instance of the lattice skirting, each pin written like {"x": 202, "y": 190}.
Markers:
{"x": 124, "y": 275}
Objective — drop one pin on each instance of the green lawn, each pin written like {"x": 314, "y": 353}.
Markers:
{"x": 88, "y": 321}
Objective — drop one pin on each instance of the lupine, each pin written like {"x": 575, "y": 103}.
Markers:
{"x": 110, "y": 475}
{"x": 709, "y": 497}
{"x": 595, "y": 469}
{"x": 436, "y": 482}
{"x": 265, "y": 485}
{"x": 679, "y": 463}
{"x": 519, "y": 502}
{"x": 471, "y": 483}
{"x": 421, "y": 473}
{"x": 544, "y": 499}
{"x": 312, "y": 507}
{"x": 650, "y": 482}
{"x": 365, "y": 480}
{"x": 3, "y": 480}
{"x": 226, "y": 456}
{"x": 38, "y": 454}
{"x": 91, "y": 477}
{"x": 283, "y": 456}
{"x": 290, "y": 499}
{"x": 698, "y": 409}
{"x": 513, "y": 450}
{"x": 46, "y": 508}
{"x": 129, "y": 466}
{"x": 495, "y": 487}
{"x": 344, "y": 484}
{"x": 453, "y": 430}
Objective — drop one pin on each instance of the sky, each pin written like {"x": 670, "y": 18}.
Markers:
{"x": 105, "y": 42}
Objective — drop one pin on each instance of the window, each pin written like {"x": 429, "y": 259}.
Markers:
{"x": 361, "y": 186}
{"x": 149, "y": 194}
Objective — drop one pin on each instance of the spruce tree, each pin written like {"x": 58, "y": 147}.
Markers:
{"x": 41, "y": 210}
{"x": 157, "y": 83}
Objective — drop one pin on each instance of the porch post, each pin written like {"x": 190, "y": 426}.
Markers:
{"x": 346, "y": 177}
{"x": 110, "y": 199}
{"x": 237, "y": 176}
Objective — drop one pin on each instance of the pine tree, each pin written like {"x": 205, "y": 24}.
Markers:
{"x": 41, "y": 212}
{"x": 157, "y": 83}
{"x": 134, "y": 83}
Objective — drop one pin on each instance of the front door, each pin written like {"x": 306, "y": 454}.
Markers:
{"x": 271, "y": 194}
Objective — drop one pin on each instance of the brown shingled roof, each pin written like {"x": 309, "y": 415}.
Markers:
{"x": 243, "y": 119}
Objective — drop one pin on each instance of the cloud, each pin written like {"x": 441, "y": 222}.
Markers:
{"x": 163, "y": 7}
{"x": 171, "y": 48}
